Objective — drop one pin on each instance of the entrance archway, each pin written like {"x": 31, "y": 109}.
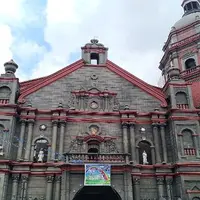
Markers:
{"x": 97, "y": 193}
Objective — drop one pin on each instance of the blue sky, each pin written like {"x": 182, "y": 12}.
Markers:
{"x": 43, "y": 36}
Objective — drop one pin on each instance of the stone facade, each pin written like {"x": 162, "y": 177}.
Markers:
{"x": 99, "y": 113}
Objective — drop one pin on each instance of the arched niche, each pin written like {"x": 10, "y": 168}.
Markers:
{"x": 196, "y": 198}
{"x": 97, "y": 193}
{"x": 41, "y": 150}
{"x": 5, "y": 93}
{"x": 145, "y": 146}
{"x": 190, "y": 63}
{"x": 181, "y": 100}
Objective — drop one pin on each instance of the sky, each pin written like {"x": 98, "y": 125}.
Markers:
{"x": 43, "y": 36}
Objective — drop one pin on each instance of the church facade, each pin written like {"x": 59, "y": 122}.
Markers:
{"x": 93, "y": 116}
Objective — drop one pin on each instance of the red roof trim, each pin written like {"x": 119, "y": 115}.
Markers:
{"x": 153, "y": 91}
{"x": 39, "y": 83}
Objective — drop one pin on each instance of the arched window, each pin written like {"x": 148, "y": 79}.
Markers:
{"x": 5, "y": 93}
{"x": 145, "y": 148}
{"x": 93, "y": 147}
{"x": 190, "y": 63}
{"x": 196, "y": 198}
{"x": 181, "y": 100}
{"x": 188, "y": 143}
{"x": 40, "y": 150}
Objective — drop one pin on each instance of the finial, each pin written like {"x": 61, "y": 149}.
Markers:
{"x": 94, "y": 41}
{"x": 10, "y": 67}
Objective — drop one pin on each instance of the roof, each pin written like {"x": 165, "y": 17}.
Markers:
{"x": 28, "y": 87}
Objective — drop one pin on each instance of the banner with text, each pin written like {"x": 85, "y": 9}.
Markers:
{"x": 97, "y": 175}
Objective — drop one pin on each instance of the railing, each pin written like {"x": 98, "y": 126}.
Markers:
{"x": 191, "y": 70}
{"x": 4, "y": 101}
{"x": 190, "y": 151}
{"x": 182, "y": 106}
{"x": 95, "y": 158}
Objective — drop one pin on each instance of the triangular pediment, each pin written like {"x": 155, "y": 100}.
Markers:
{"x": 34, "y": 85}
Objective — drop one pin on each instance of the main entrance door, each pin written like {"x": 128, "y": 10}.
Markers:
{"x": 97, "y": 193}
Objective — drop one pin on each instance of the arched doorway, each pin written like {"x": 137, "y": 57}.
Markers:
{"x": 97, "y": 193}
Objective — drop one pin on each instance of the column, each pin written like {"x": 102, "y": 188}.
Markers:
{"x": 105, "y": 102}
{"x": 57, "y": 187}
{"x": 153, "y": 154}
{"x": 160, "y": 185}
{"x": 169, "y": 181}
{"x": 125, "y": 139}
{"x": 195, "y": 140}
{"x": 156, "y": 143}
{"x": 29, "y": 139}
{"x": 181, "y": 144}
{"x": 54, "y": 139}
{"x": 61, "y": 144}
{"x": 21, "y": 140}
{"x": 136, "y": 188}
{"x": 132, "y": 142}
{"x": 128, "y": 189}
{"x": 24, "y": 183}
{"x": 15, "y": 181}
{"x": 162, "y": 132}
{"x": 49, "y": 187}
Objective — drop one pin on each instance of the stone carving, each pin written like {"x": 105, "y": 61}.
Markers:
{"x": 144, "y": 156}
{"x": 72, "y": 102}
{"x": 41, "y": 155}
{"x": 50, "y": 179}
{"x": 76, "y": 145}
{"x": 58, "y": 178}
{"x": 15, "y": 177}
{"x": 160, "y": 180}
{"x": 111, "y": 147}
{"x": 94, "y": 130}
{"x": 136, "y": 180}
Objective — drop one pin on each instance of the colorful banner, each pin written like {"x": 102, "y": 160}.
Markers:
{"x": 97, "y": 175}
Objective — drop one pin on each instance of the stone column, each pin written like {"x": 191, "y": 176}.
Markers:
{"x": 169, "y": 181}
{"x": 196, "y": 146}
{"x": 162, "y": 132}
{"x": 65, "y": 186}
{"x": 15, "y": 181}
{"x": 54, "y": 139}
{"x": 160, "y": 184}
{"x": 153, "y": 154}
{"x": 61, "y": 144}
{"x": 24, "y": 183}
{"x": 136, "y": 188}
{"x": 49, "y": 187}
{"x": 181, "y": 144}
{"x": 57, "y": 187}
{"x": 29, "y": 140}
{"x": 156, "y": 143}
{"x": 125, "y": 139}
{"x": 132, "y": 142}
{"x": 21, "y": 140}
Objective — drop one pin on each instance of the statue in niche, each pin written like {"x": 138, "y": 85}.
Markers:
{"x": 1, "y": 150}
{"x": 41, "y": 155}
{"x": 144, "y": 156}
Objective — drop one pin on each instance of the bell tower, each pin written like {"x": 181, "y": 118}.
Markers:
{"x": 94, "y": 53}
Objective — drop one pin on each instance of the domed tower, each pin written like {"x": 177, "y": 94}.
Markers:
{"x": 182, "y": 48}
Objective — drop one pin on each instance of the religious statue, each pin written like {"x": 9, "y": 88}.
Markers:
{"x": 144, "y": 156}
{"x": 40, "y": 155}
{"x": 1, "y": 150}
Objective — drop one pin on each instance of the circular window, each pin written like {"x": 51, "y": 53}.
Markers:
{"x": 94, "y": 105}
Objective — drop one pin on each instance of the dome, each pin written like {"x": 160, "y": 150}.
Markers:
{"x": 186, "y": 20}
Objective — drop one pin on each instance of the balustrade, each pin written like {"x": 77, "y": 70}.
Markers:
{"x": 4, "y": 101}
{"x": 191, "y": 70}
{"x": 182, "y": 106}
{"x": 92, "y": 157}
{"x": 190, "y": 151}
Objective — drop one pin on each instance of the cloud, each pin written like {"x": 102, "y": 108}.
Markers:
{"x": 134, "y": 31}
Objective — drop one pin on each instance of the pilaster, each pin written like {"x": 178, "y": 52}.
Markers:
{"x": 57, "y": 187}
{"x": 62, "y": 135}
{"x": 136, "y": 188}
{"x": 125, "y": 139}
{"x": 15, "y": 182}
{"x": 54, "y": 139}
{"x": 162, "y": 132}
{"x": 49, "y": 187}
{"x": 21, "y": 140}
{"x": 132, "y": 142}
{"x": 29, "y": 140}
{"x": 169, "y": 181}
{"x": 156, "y": 143}
{"x": 24, "y": 187}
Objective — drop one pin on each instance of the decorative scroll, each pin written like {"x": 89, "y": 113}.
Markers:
{"x": 97, "y": 175}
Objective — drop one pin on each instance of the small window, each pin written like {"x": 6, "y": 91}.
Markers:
{"x": 94, "y": 57}
{"x": 189, "y": 63}
{"x": 194, "y": 5}
{"x": 189, "y": 6}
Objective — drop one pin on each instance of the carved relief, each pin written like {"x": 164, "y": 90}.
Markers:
{"x": 111, "y": 147}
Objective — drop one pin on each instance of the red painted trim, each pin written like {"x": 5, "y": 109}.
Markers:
{"x": 138, "y": 82}
{"x": 8, "y": 113}
{"x": 60, "y": 74}
{"x": 193, "y": 192}
{"x": 153, "y": 91}
{"x": 8, "y": 79}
